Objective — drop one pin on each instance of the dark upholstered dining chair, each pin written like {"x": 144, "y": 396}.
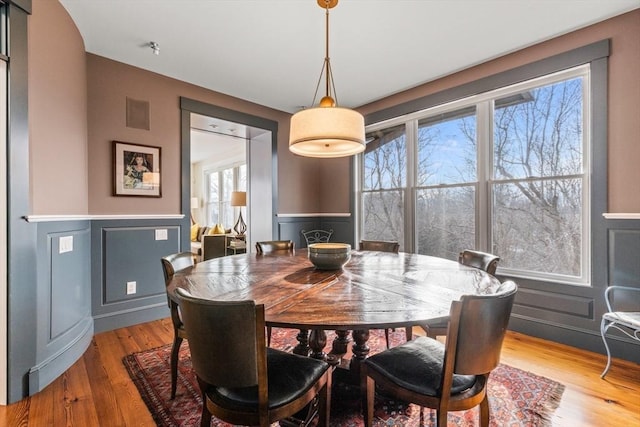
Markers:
{"x": 269, "y": 246}
{"x": 171, "y": 264}
{"x": 242, "y": 381}
{"x": 316, "y": 236}
{"x": 379, "y": 245}
{"x": 384, "y": 246}
{"x": 445, "y": 377}
{"x": 480, "y": 260}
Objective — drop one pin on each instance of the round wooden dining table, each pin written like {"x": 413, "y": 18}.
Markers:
{"x": 374, "y": 290}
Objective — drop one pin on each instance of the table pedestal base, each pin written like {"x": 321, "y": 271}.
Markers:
{"x": 313, "y": 345}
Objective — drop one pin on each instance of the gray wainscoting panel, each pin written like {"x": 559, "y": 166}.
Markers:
{"x": 624, "y": 270}
{"x": 70, "y": 288}
{"x": 130, "y": 251}
{"x": 342, "y": 227}
{"x": 624, "y": 257}
{"x": 133, "y": 255}
{"x": 65, "y": 325}
{"x": 291, "y": 228}
{"x": 552, "y": 301}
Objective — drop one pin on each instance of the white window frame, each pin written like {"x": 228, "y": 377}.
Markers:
{"x": 483, "y": 214}
{"x": 222, "y": 197}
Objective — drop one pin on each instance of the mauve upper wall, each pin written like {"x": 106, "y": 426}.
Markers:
{"x": 64, "y": 181}
{"x": 57, "y": 112}
{"x": 624, "y": 96}
{"x": 109, "y": 85}
{"x": 77, "y": 105}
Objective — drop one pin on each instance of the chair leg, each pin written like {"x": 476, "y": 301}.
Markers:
{"x": 442, "y": 410}
{"x": 603, "y": 331}
{"x": 408, "y": 332}
{"x": 268, "y": 336}
{"x": 386, "y": 336}
{"x": 367, "y": 394}
{"x": 324, "y": 403}
{"x": 434, "y": 332}
{"x": 441, "y": 420}
{"x": 205, "y": 419}
{"x": 484, "y": 412}
{"x": 175, "y": 350}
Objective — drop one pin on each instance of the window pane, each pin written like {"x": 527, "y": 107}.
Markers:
{"x": 383, "y": 216}
{"x": 537, "y": 225}
{"x": 225, "y": 204}
{"x": 447, "y": 148}
{"x": 242, "y": 178}
{"x": 514, "y": 159}
{"x": 445, "y": 221}
{"x": 212, "y": 198}
{"x": 538, "y": 133}
{"x": 385, "y": 159}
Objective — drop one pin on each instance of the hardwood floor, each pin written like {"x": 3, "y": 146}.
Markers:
{"x": 96, "y": 390}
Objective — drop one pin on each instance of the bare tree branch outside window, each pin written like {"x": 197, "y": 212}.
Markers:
{"x": 535, "y": 181}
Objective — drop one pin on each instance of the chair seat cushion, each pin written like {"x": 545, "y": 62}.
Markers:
{"x": 417, "y": 366}
{"x": 289, "y": 377}
{"x": 629, "y": 319}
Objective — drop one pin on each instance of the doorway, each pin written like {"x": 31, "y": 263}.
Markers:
{"x": 218, "y": 169}
{"x": 230, "y": 130}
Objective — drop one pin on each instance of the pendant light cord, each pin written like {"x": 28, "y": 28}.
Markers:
{"x": 326, "y": 67}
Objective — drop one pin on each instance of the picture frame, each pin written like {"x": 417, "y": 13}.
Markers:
{"x": 136, "y": 170}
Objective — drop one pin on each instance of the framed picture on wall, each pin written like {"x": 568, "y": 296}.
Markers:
{"x": 136, "y": 170}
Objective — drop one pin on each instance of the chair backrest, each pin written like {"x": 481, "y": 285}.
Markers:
{"x": 214, "y": 246}
{"x": 482, "y": 260}
{"x": 269, "y": 246}
{"x": 379, "y": 245}
{"x": 477, "y": 328}
{"x": 226, "y": 339}
{"x": 317, "y": 236}
{"x": 622, "y": 298}
{"x": 175, "y": 262}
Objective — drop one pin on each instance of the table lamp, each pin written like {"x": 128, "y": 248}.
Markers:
{"x": 239, "y": 199}
{"x": 195, "y": 204}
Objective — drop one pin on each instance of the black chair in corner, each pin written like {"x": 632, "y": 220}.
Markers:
{"x": 480, "y": 260}
{"x": 269, "y": 246}
{"x": 242, "y": 380}
{"x": 171, "y": 264}
{"x": 445, "y": 377}
{"x": 385, "y": 246}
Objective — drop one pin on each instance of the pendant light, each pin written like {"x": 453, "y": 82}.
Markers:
{"x": 327, "y": 130}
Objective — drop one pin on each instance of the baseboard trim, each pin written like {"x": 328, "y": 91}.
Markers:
{"x": 124, "y": 318}
{"x": 51, "y": 368}
{"x": 581, "y": 338}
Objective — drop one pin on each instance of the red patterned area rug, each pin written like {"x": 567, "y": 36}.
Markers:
{"x": 517, "y": 398}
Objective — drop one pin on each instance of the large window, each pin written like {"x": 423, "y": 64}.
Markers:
{"x": 504, "y": 171}
{"x": 384, "y": 181}
{"x": 219, "y": 185}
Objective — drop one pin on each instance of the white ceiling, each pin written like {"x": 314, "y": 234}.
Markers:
{"x": 271, "y": 52}
{"x": 213, "y": 138}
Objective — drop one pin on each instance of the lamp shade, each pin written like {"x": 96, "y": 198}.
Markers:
{"x": 327, "y": 132}
{"x": 238, "y": 198}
